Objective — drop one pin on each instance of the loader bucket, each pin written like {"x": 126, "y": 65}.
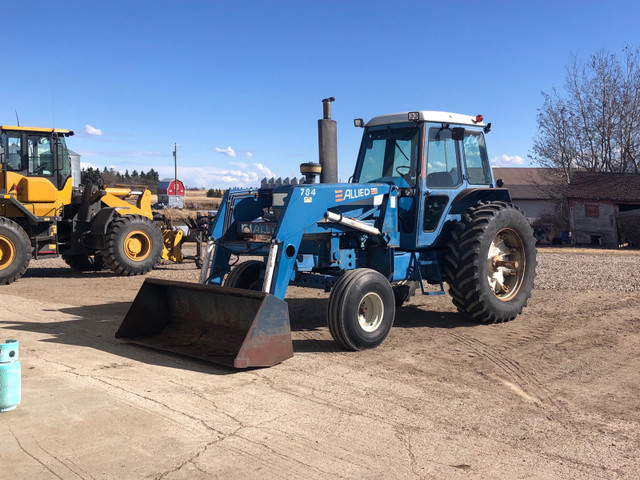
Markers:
{"x": 230, "y": 326}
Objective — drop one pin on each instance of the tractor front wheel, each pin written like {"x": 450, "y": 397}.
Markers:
{"x": 361, "y": 309}
{"x": 15, "y": 251}
{"x": 132, "y": 245}
{"x": 491, "y": 263}
{"x": 246, "y": 275}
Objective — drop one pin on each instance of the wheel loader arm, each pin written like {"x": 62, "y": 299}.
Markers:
{"x": 142, "y": 206}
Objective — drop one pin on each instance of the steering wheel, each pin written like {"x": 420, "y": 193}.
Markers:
{"x": 405, "y": 176}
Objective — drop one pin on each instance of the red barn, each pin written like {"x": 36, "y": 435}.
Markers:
{"x": 171, "y": 186}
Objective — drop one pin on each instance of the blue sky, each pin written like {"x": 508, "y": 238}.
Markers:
{"x": 239, "y": 84}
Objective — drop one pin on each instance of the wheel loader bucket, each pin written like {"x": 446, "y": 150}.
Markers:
{"x": 230, "y": 326}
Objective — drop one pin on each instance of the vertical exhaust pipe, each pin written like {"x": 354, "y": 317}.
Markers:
{"x": 328, "y": 144}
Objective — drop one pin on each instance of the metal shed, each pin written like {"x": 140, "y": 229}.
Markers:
{"x": 75, "y": 168}
{"x": 604, "y": 208}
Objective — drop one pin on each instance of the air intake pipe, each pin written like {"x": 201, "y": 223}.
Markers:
{"x": 328, "y": 144}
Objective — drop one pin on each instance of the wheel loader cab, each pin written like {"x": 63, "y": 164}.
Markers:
{"x": 36, "y": 168}
{"x": 430, "y": 162}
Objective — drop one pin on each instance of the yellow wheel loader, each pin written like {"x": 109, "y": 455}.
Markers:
{"x": 43, "y": 214}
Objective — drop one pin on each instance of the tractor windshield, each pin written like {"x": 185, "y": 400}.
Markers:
{"x": 389, "y": 153}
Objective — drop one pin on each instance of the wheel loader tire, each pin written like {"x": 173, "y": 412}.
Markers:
{"x": 132, "y": 246}
{"x": 361, "y": 309}
{"x": 491, "y": 264}
{"x": 15, "y": 251}
{"x": 85, "y": 263}
{"x": 246, "y": 275}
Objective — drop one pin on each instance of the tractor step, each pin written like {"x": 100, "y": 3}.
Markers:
{"x": 45, "y": 246}
{"x": 425, "y": 263}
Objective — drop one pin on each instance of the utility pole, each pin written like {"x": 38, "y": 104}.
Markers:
{"x": 175, "y": 161}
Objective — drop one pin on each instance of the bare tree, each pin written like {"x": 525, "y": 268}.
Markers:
{"x": 594, "y": 124}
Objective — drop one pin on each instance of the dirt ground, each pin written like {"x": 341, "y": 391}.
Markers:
{"x": 553, "y": 394}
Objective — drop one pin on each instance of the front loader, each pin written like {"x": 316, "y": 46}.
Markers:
{"x": 43, "y": 214}
{"x": 423, "y": 209}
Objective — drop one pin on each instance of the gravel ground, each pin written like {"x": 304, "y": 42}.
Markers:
{"x": 563, "y": 269}
{"x": 600, "y": 270}
{"x": 551, "y": 394}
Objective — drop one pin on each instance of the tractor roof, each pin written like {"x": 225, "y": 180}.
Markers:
{"x": 59, "y": 131}
{"x": 427, "y": 116}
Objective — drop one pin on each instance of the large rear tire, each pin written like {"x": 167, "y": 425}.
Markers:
{"x": 361, "y": 309}
{"x": 246, "y": 275}
{"x": 15, "y": 251}
{"x": 132, "y": 246}
{"x": 491, "y": 263}
{"x": 85, "y": 263}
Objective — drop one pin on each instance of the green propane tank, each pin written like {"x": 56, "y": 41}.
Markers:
{"x": 10, "y": 383}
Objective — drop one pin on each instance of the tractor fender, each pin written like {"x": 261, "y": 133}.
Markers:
{"x": 102, "y": 220}
{"x": 471, "y": 196}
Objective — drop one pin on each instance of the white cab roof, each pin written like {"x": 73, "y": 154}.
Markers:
{"x": 427, "y": 116}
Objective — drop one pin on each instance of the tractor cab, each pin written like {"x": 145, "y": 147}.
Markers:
{"x": 434, "y": 159}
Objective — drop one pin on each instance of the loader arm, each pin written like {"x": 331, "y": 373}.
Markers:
{"x": 301, "y": 211}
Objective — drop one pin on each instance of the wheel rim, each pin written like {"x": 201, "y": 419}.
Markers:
{"x": 370, "y": 312}
{"x": 137, "y": 245}
{"x": 506, "y": 264}
{"x": 7, "y": 252}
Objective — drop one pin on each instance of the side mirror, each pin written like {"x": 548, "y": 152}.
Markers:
{"x": 499, "y": 183}
{"x": 457, "y": 133}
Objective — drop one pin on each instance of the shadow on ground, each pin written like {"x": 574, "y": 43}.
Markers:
{"x": 95, "y": 327}
{"x": 41, "y": 272}
{"x": 309, "y": 315}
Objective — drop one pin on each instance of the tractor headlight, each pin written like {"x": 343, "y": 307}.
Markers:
{"x": 414, "y": 116}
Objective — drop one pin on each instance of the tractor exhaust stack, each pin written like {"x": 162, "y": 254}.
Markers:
{"x": 328, "y": 144}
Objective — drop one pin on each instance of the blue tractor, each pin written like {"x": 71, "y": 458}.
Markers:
{"x": 422, "y": 209}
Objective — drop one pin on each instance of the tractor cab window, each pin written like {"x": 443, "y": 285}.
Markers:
{"x": 64, "y": 162}
{"x": 40, "y": 156}
{"x": 14, "y": 152}
{"x": 476, "y": 159}
{"x": 389, "y": 153}
{"x": 443, "y": 167}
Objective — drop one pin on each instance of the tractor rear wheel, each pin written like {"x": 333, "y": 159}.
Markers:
{"x": 361, "y": 309}
{"x": 132, "y": 245}
{"x": 85, "y": 263}
{"x": 246, "y": 275}
{"x": 15, "y": 251}
{"x": 491, "y": 263}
